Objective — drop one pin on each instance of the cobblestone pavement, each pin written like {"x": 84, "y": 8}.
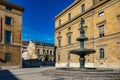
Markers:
{"x": 51, "y": 73}
{"x": 25, "y": 74}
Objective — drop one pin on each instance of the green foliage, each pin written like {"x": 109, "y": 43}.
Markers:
{"x": 46, "y": 57}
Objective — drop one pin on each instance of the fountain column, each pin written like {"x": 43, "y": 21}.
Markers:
{"x": 82, "y": 52}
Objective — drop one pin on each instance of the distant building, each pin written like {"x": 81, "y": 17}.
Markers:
{"x": 44, "y": 50}
{"x": 24, "y": 50}
{"x": 38, "y": 50}
{"x": 10, "y": 34}
{"x": 102, "y": 18}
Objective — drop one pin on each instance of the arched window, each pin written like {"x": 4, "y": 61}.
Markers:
{"x": 38, "y": 51}
{"x": 102, "y": 53}
{"x": 50, "y": 52}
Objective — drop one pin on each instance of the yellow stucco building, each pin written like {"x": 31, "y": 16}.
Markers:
{"x": 102, "y": 18}
{"x": 10, "y": 34}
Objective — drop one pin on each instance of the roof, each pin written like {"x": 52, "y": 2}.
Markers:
{"x": 6, "y": 3}
{"x": 25, "y": 42}
{"x": 44, "y": 44}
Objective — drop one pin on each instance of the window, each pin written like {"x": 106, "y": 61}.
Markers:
{"x": 44, "y": 52}
{"x": 69, "y": 28}
{"x": 58, "y": 57}
{"x": 47, "y": 52}
{"x": 100, "y": 0}
{"x": 69, "y": 40}
{"x": 51, "y": 52}
{"x": 8, "y": 8}
{"x": 102, "y": 53}
{"x": 101, "y": 14}
{"x": 69, "y": 16}
{"x": 8, "y": 21}
{"x": 83, "y": 8}
{"x": 59, "y": 33}
{"x": 101, "y": 30}
{"x": 0, "y": 29}
{"x": 69, "y": 57}
{"x": 59, "y": 42}
{"x": 8, "y": 37}
{"x": 59, "y": 22}
{"x": 7, "y": 57}
{"x": 38, "y": 51}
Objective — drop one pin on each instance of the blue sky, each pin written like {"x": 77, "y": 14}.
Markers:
{"x": 38, "y": 18}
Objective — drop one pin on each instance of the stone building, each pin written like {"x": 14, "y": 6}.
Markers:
{"x": 38, "y": 50}
{"x": 102, "y": 18}
{"x": 45, "y": 50}
{"x": 10, "y": 34}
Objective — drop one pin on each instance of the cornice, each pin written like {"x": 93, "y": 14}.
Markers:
{"x": 81, "y": 14}
{"x": 5, "y": 3}
{"x": 66, "y": 9}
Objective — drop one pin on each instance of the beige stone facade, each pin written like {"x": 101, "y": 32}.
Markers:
{"x": 45, "y": 49}
{"x": 38, "y": 50}
{"x": 10, "y": 34}
{"x": 102, "y": 18}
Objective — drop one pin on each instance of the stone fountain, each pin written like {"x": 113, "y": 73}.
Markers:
{"x": 82, "y": 52}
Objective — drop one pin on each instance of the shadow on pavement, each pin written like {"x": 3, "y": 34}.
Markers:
{"x": 7, "y": 75}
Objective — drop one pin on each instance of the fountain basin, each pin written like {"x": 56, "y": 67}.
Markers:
{"x": 82, "y": 51}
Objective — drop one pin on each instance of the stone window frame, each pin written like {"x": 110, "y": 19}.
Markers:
{"x": 83, "y": 8}
{"x": 59, "y": 23}
{"x": 10, "y": 37}
{"x": 8, "y": 8}
{"x": 69, "y": 57}
{"x": 105, "y": 50}
{"x": 58, "y": 56}
{"x": 69, "y": 38}
{"x": 7, "y": 57}
{"x": 100, "y": 24}
{"x": 38, "y": 51}
{"x": 12, "y": 21}
{"x": 69, "y": 16}
{"x": 59, "y": 38}
{"x": 118, "y": 43}
{"x": 0, "y": 29}
{"x": 101, "y": 13}
{"x": 118, "y": 17}
{"x": 102, "y": 53}
{"x": 51, "y": 52}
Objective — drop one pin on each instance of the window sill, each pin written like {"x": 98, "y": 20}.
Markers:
{"x": 9, "y": 25}
{"x": 101, "y": 58}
